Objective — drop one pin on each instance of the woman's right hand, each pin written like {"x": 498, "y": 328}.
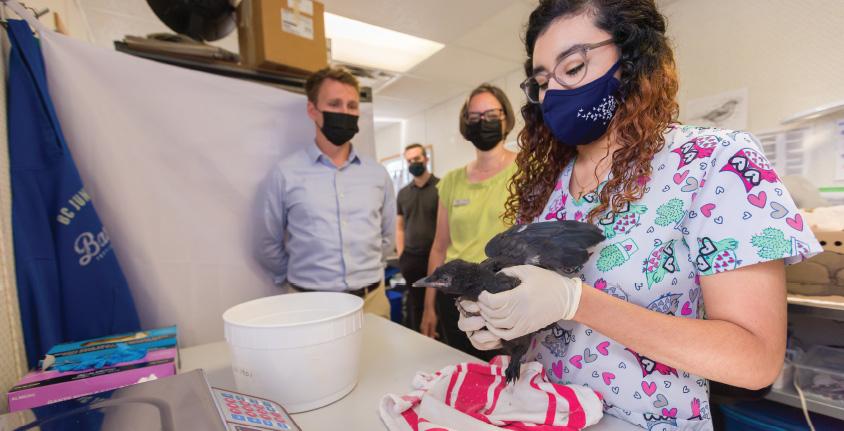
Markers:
{"x": 428, "y": 327}
{"x": 541, "y": 298}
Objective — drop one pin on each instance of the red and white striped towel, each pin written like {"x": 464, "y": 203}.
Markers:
{"x": 475, "y": 396}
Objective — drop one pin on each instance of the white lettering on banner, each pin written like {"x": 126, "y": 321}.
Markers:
{"x": 77, "y": 201}
{"x": 90, "y": 246}
{"x": 80, "y": 199}
{"x": 65, "y": 215}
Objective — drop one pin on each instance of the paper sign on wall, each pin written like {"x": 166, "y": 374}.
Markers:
{"x": 839, "y": 150}
{"x": 727, "y": 110}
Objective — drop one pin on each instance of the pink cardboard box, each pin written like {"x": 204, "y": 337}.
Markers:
{"x": 40, "y": 388}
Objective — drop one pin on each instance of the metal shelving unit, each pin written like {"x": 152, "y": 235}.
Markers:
{"x": 277, "y": 78}
{"x": 830, "y": 302}
{"x": 831, "y": 307}
{"x": 789, "y": 397}
{"x": 828, "y": 307}
{"x": 218, "y": 67}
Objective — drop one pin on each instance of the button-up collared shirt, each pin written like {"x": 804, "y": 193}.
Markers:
{"x": 326, "y": 227}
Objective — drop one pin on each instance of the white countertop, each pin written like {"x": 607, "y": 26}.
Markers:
{"x": 390, "y": 356}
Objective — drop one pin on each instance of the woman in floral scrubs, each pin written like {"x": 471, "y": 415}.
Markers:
{"x": 689, "y": 284}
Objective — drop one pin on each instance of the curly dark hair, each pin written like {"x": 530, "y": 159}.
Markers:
{"x": 647, "y": 107}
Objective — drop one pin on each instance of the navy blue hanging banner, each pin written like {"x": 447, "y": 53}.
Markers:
{"x": 70, "y": 285}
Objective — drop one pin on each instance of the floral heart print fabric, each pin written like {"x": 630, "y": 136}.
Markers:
{"x": 713, "y": 204}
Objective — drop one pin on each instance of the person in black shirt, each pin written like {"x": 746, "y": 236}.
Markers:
{"x": 415, "y": 226}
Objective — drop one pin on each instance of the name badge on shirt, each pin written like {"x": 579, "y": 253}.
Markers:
{"x": 460, "y": 202}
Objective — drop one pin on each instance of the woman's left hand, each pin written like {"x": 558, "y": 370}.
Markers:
{"x": 542, "y": 298}
{"x": 474, "y": 326}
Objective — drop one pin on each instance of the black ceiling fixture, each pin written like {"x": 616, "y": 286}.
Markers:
{"x": 202, "y": 20}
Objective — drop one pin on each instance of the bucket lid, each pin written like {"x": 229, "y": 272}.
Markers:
{"x": 334, "y": 305}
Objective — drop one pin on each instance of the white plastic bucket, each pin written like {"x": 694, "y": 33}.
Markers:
{"x": 301, "y": 350}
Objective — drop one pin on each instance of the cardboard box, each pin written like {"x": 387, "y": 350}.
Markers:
{"x": 823, "y": 274}
{"x": 158, "y": 347}
{"x": 286, "y": 35}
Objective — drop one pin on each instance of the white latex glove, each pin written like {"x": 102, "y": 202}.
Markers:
{"x": 475, "y": 327}
{"x": 542, "y": 298}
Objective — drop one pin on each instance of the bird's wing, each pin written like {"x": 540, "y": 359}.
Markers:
{"x": 552, "y": 244}
{"x": 520, "y": 242}
{"x": 570, "y": 248}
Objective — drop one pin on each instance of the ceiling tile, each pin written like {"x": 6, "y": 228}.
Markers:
{"x": 437, "y": 20}
{"x": 421, "y": 90}
{"x": 500, "y": 36}
{"x": 388, "y": 107}
{"x": 462, "y": 66}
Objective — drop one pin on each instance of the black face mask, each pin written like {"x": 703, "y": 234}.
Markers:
{"x": 416, "y": 168}
{"x": 339, "y": 128}
{"x": 485, "y": 135}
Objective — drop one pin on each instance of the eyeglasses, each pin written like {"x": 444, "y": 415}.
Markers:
{"x": 488, "y": 115}
{"x": 570, "y": 70}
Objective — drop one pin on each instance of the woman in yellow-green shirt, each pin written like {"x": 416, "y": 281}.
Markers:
{"x": 470, "y": 205}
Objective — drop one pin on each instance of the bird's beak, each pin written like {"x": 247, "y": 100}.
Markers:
{"x": 428, "y": 282}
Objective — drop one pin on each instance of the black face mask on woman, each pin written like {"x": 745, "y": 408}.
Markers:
{"x": 484, "y": 134}
{"x": 338, "y": 127}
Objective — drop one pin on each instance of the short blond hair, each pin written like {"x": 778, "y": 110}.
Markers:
{"x": 339, "y": 74}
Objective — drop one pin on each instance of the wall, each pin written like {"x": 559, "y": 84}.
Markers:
{"x": 438, "y": 126}
{"x": 388, "y": 140}
{"x": 104, "y": 21}
{"x": 786, "y": 53}
{"x": 67, "y": 9}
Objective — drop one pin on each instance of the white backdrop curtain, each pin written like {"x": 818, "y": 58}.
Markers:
{"x": 173, "y": 160}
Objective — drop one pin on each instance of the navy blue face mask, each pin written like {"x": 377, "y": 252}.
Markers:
{"x": 582, "y": 115}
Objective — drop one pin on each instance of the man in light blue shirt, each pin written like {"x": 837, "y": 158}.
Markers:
{"x": 329, "y": 213}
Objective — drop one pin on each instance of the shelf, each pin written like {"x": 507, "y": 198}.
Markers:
{"x": 829, "y": 302}
{"x": 789, "y": 397}
{"x": 217, "y": 67}
{"x": 277, "y": 78}
{"x": 819, "y": 306}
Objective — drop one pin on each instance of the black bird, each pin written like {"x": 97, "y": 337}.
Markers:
{"x": 562, "y": 246}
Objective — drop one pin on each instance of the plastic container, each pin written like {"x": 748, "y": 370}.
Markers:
{"x": 820, "y": 374}
{"x": 786, "y": 377}
{"x": 301, "y": 350}
{"x": 396, "y": 298}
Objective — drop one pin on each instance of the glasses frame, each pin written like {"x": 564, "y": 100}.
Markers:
{"x": 581, "y": 49}
{"x": 483, "y": 115}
